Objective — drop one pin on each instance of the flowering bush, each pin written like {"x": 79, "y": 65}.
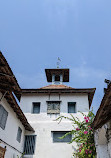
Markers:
{"x": 83, "y": 135}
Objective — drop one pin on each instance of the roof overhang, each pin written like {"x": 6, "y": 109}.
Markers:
{"x": 64, "y": 72}
{"x": 13, "y": 104}
{"x": 90, "y": 92}
{"x": 8, "y": 81}
{"x": 103, "y": 114}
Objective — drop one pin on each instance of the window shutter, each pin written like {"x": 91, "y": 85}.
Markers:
{"x": 36, "y": 108}
{"x": 71, "y": 107}
{"x": 1, "y": 112}
{"x": 3, "y": 117}
{"x": 19, "y": 133}
{"x": 29, "y": 146}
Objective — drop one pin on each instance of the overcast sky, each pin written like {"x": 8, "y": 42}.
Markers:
{"x": 34, "y": 33}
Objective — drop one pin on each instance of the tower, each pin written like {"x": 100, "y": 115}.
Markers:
{"x": 57, "y": 76}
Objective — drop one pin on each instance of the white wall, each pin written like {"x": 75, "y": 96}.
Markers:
{"x": 9, "y": 134}
{"x": 102, "y": 143}
{"x": 43, "y": 124}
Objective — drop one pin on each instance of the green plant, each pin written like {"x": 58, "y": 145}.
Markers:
{"x": 21, "y": 155}
{"x": 83, "y": 135}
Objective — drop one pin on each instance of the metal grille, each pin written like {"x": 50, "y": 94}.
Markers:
{"x": 3, "y": 117}
{"x": 57, "y": 135}
{"x": 29, "y": 146}
{"x": 72, "y": 107}
{"x": 53, "y": 107}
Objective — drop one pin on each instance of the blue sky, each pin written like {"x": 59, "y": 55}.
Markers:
{"x": 34, "y": 33}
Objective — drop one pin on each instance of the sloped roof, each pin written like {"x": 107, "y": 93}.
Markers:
{"x": 7, "y": 78}
{"x": 103, "y": 114}
{"x": 61, "y": 86}
{"x": 64, "y": 72}
{"x": 8, "y": 84}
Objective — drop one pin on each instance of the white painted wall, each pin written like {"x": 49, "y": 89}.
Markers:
{"x": 102, "y": 142}
{"x": 9, "y": 134}
{"x": 43, "y": 124}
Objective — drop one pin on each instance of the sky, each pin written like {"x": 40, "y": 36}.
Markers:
{"x": 34, "y": 33}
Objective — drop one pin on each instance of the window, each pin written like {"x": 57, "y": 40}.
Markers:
{"x": 19, "y": 133}
{"x": 36, "y": 108}
{"x": 57, "y": 134}
{"x": 29, "y": 146}
{"x": 53, "y": 107}
{"x": 72, "y": 107}
{"x": 3, "y": 117}
{"x": 57, "y": 78}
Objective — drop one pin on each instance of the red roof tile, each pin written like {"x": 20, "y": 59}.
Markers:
{"x": 56, "y": 87}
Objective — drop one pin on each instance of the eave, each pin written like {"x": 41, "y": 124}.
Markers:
{"x": 103, "y": 114}
{"x": 7, "y": 78}
{"x": 90, "y": 92}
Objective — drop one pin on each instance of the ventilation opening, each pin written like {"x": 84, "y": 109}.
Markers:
{"x": 57, "y": 78}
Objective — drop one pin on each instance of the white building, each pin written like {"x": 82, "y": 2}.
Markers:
{"x": 102, "y": 126}
{"x": 42, "y": 106}
{"x": 13, "y": 123}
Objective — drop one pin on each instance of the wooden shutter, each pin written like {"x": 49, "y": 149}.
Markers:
{"x": 29, "y": 146}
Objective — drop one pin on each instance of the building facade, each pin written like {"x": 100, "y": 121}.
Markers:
{"x": 13, "y": 123}
{"x": 44, "y": 105}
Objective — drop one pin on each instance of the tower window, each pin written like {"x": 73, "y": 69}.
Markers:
{"x": 71, "y": 107}
{"x": 57, "y": 77}
{"x": 36, "y": 107}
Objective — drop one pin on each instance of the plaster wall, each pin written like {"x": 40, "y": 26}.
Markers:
{"x": 44, "y": 123}
{"x": 9, "y": 134}
{"x": 102, "y": 142}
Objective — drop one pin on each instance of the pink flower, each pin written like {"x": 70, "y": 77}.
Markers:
{"x": 86, "y": 132}
{"x": 85, "y": 117}
{"x": 77, "y": 129}
{"x": 86, "y": 151}
{"x": 90, "y": 151}
{"x": 87, "y": 121}
{"x": 79, "y": 150}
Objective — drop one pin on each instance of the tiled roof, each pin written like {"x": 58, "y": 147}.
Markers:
{"x": 103, "y": 114}
{"x": 9, "y": 84}
{"x": 7, "y": 78}
{"x": 56, "y": 87}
